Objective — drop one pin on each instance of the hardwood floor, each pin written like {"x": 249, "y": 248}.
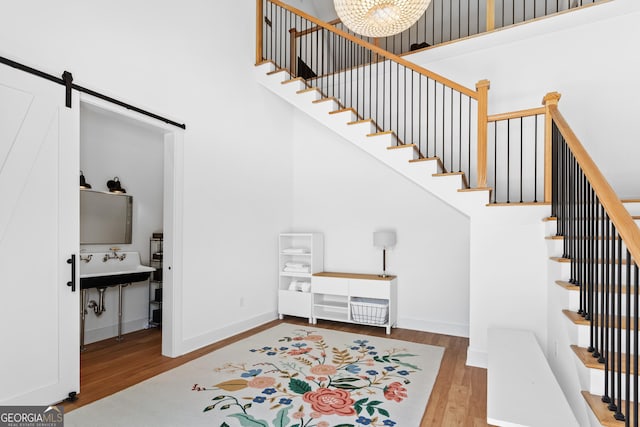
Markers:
{"x": 459, "y": 396}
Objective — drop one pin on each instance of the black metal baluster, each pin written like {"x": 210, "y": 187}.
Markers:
{"x": 535, "y": 160}
{"x": 627, "y": 377}
{"x": 636, "y": 349}
{"x": 619, "y": 415}
{"x": 508, "y": 160}
{"x": 460, "y": 132}
{"x": 608, "y": 258}
{"x": 521, "y": 160}
{"x": 495, "y": 161}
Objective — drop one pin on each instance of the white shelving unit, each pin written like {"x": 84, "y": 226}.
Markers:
{"x": 355, "y": 298}
{"x": 299, "y": 256}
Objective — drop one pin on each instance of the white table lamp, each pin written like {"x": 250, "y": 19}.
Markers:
{"x": 384, "y": 239}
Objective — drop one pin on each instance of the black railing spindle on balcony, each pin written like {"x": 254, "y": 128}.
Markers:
{"x": 517, "y": 156}
{"x": 603, "y": 243}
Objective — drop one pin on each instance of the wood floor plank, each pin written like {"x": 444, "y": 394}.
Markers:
{"x": 458, "y": 398}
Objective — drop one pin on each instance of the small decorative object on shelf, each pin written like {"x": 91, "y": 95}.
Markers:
{"x": 155, "y": 281}
{"x": 299, "y": 256}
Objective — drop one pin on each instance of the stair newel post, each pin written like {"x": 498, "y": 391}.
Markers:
{"x": 259, "y": 30}
{"x": 549, "y": 99}
{"x": 482, "y": 89}
{"x": 293, "y": 49}
{"x": 491, "y": 15}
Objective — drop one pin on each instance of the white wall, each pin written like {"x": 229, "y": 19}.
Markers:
{"x": 587, "y": 55}
{"x": 347, "y": 194}
{"x": 191, "y": 61}
{"x": 111, "y": 146}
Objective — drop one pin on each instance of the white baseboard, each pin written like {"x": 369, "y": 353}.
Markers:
{"x": 444, "y": 328}
{"x": 191, "y": 344}
{"x": 477, "y": 358}
{"x": 111, "y": 331}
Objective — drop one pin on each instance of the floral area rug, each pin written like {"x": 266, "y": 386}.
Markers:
{"x": 287, "y": 376}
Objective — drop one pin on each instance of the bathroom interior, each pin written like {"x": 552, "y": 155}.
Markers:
{"x": 118, "y": 150}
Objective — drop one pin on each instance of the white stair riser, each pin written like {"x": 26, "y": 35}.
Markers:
{"x": 583, "y": 337}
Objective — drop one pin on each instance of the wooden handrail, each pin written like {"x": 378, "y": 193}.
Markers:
{"x": 516, "y": 114}
{"x": 379, "y": 51}
{"x": 618, "y": 214}
{"x": 316, "y": 29}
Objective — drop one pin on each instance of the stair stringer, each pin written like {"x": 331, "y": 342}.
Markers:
{"x": 443, "y": 187}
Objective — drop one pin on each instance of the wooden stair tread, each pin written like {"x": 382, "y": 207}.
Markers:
{"x": 463, "y": 190}
{"x": 599, "y": 261}
{"x": 386, "y": 132}
{"x": 425, "y": 159}
{"x": 591, "y": 362}
{"x": 601, "y": 411}
{"x": 567, "y": 285}
{"x": 327, "y": 99}
{"x": 343, "y": 110}
{"x": 309, "y": 89}
{"x": 572, "y": 287}
{"x": 577, "y": 319}
{"x": 276, "y": 71}
{"x": 395, "y": 147}
{"x": 357, "y": 122}
{"x": 296, "y": 79}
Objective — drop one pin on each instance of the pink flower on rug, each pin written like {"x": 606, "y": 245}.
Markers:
{"x": 313, "y": 338}
{"x": 324, "y": 370}
{"x": 328, "y": 402}
{"x": 261, "y": 382}
{"x": 395, "y": 391}
{"x": 299, "y": 351}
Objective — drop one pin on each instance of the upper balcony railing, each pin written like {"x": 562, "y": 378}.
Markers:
{"x": 448, "y": 20}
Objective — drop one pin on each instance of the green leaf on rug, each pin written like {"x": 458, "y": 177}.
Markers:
{"x": 233, "y": 385}
{"x": 224, "y": 425}
{"x": 249, "y": 421}
{"x": 282, "y": 419}
{"x": 299, "y": 386}
{"x": 344, "y": 425}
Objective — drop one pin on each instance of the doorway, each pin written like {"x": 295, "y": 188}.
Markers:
{"x": 146, "y": 157}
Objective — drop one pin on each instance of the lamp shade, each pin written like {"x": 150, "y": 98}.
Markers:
{"x": 379, "y": 18}
{"x": 384, "y": 239}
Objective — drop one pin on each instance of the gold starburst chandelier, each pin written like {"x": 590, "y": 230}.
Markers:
{"x": 379, "y": 18}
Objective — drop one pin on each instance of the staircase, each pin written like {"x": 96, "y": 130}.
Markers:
{"x": 514, "y": 247}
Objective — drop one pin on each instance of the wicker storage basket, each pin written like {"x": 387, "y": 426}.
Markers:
{"x": 369, "y": 310}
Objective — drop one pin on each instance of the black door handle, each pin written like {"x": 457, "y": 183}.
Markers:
{"x": 72, "y": 283}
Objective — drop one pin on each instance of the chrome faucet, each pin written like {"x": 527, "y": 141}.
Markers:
{"x": 86, "y": 258}
{"x": 113, "y": 255}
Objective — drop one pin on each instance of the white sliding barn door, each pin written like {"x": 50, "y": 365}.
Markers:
{"x": 39, "y": 231}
